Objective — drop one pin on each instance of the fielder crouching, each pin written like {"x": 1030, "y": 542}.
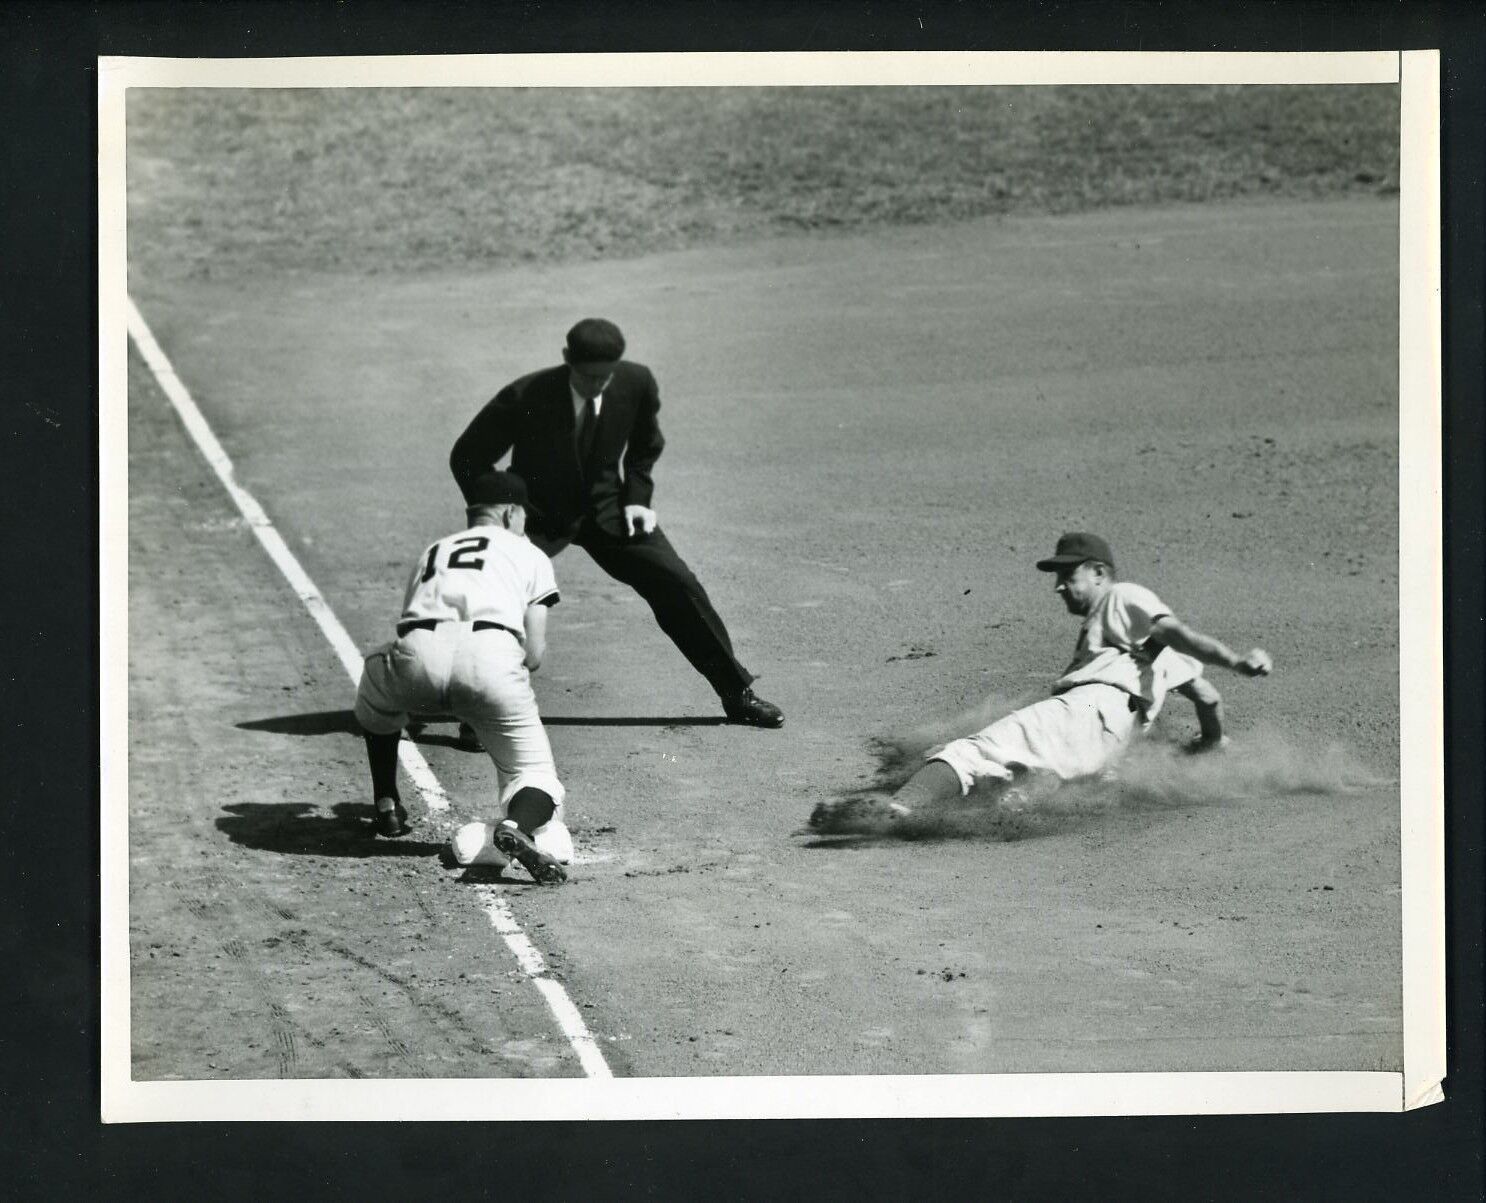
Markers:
{"x": 1132, "y": 651}
{"x": 473, "y": 628}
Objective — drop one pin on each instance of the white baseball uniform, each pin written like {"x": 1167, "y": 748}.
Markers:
{"x": 460, "y": 650}
{"x": 1114, "y": 687}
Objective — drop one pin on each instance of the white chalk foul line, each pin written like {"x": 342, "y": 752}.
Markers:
{"x": 434, "y": 797}
{"x": 535, "y": 968}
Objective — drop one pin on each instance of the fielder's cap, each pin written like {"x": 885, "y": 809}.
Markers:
{"x": 595, "y": 340}
{"x": 1074, "y": 548}
{"x": 496, "y": 488}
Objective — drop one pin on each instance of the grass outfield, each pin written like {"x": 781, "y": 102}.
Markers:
{"x": 232, "y": 183}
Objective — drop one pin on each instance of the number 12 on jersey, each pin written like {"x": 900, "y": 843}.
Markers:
{"x": 466, "y": 554}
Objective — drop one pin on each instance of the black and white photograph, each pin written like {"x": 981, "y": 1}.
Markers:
{"x": 770, "y": 586}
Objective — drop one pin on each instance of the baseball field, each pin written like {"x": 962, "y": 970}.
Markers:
{"x": 904, "y": 339}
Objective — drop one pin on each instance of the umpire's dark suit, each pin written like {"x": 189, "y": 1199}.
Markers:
{"x": 580, "y": 498}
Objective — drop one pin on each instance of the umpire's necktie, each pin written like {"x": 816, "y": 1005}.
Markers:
{"x": 586, "y": 426}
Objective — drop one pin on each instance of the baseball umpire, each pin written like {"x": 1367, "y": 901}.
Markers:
{"x": 473, "y": 628}
{"x": 585, "y": 436}
{"x": 1131, "y": 652}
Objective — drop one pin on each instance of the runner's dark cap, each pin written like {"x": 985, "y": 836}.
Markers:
{"x": 496, "y": 488}
{"x": 1074, "y": 548}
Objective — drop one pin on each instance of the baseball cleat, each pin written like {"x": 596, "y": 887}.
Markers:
{"x": 1016, "y": 799}
{"x": 751, "y": 710}
{"x": 393, "y": 821}
{"x": 1199, "y": 745}
{"x": 517, "y": 845}
{"x": 468, "y": 739}
{"x": 865, "y": 814}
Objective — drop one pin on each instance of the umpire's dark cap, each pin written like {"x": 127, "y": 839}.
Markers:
{"x": 1075, "y": 548}
{"x": 496, "y": 488}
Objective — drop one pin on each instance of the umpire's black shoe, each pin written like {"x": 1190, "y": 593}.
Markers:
{"x": 520, "y": 847}
{"x": 752, "y": 711}
{"x": 392, "y": 823}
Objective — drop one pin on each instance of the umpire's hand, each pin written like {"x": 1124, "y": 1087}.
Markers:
{"x": 639, "y": 520}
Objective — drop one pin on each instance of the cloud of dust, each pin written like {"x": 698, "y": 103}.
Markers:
{"x": 1263, "y": 763}
{"x": 1157, "y": 773}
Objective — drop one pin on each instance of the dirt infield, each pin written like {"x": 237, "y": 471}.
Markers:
{"x": 870, "y": 439}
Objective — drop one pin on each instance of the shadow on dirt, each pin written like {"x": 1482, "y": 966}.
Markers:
{"x": 321, "y": 722}
{"x": 297, "y": 829}
{"x": 343, "y": 722}
{"x": 493, "y": 875}
{"x": 695, "y": 720}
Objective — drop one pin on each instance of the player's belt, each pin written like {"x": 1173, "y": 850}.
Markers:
{"x": 482, "y": 625}
{"x": 428, "y": 624}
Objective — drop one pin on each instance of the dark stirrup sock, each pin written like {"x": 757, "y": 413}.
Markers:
{"x": 381, "y": 756}
{"x": 530, "y": 807}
